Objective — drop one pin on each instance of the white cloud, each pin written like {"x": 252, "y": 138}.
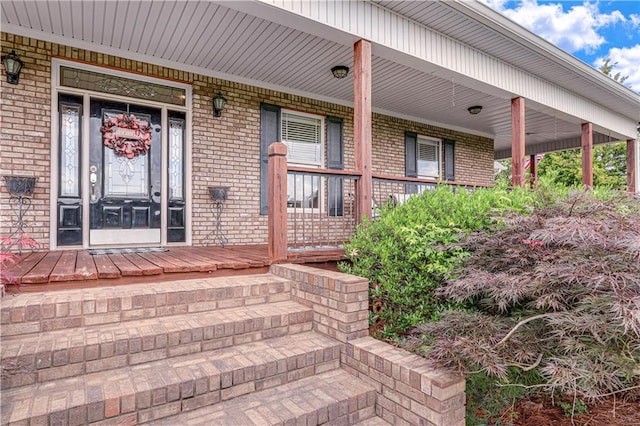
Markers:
{"x": 635, "y": 21}
{"x": 627, "y": 59}
{"x": 573, "y": 30}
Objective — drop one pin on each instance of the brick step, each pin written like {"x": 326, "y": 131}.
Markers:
{"x": 58, "y": 354}
{"x": 27, "y": 313}
{"x": 334, "y": 397}
{"x": 151, "y": 391}
{"x": 373, "y": 421}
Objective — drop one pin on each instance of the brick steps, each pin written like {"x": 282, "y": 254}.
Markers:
{"x": 290, "y": 347}
{"x": 334, "y": 397}
{"x": 58, "y": 354}
{"x": 41, "y": 312}
{"x": 147, "y": 392}
{"x": 373, "y": 421}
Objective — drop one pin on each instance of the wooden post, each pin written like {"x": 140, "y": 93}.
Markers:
{"x": 587, "y": 154}
{"x": 631, "y": 165}
{"x": 533, "y": 170}
{"x": 277, "y": 193}
{"x": 362, "y": 127}
{"x": 517, "y": 142}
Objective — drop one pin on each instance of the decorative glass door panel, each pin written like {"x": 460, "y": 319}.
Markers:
{"x": 69, "y": 205}
{"x": 176, "y": 223}
{"x": 124, "y": 174}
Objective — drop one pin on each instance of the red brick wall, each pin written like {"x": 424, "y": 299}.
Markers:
{"x": 225, "y": 150}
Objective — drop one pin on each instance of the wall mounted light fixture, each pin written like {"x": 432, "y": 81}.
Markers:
{"x": 474, "y": 110}
{"x": 218, "y": 104}
{"x": 12, "y": 66}
{"x": 340, "y": 71}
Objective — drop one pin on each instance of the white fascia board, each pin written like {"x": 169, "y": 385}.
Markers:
{"x": 480, "y": 12}
{"x": 388, "y": 29}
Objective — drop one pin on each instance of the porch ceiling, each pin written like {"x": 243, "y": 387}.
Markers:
{"x": 232, "y": 40}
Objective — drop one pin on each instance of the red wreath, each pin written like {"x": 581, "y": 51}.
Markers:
{"x": 126, "y": 135}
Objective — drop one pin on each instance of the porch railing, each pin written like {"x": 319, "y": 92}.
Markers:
{"x": 321, "y": 209}
{"x": 312, "y": 208}
{"x": 309, "y": 208}
{"x": 390, "y": 191}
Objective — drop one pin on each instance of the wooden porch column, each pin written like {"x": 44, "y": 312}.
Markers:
{"x": 587, "y": 154}
{"x": 533, "y": 170}
{"x": 631, "y": 165}
{"x": 517, "y": 142}
{"x": 277, "y": 196}
{"x": 362, "y": 126}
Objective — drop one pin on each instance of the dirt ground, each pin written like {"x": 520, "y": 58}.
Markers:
{"x": 609, "y": 412}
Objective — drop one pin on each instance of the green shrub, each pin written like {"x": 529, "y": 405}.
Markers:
{"x": 555, "y": 293}
{"x": 409, "y": 250}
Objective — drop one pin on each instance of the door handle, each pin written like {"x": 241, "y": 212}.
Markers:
{"x": 93, "y": 179}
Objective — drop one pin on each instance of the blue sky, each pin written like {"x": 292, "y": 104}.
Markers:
{"x": 590, "y": 30}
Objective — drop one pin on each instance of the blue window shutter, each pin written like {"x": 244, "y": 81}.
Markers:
{"x": 449, "y": 159}
{"x": 410, "y": 160}
{"x": 269, "y": 133}
{"x": 410, "y": 154}
{"x": 335, "y": 161}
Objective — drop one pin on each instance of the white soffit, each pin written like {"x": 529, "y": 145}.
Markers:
{"x": 610, "y": 107}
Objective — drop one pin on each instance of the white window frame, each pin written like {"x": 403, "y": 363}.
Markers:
{"x": 311, "y": 164}
{"x": 427, "y": 140}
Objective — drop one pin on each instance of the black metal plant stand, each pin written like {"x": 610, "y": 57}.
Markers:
{"x": 218, "y": 196}
{"x": 20, "y": 193}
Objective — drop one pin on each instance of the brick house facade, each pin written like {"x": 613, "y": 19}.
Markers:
{"x": 225, "y": 150}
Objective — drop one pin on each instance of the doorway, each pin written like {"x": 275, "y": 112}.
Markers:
{"x": 125, "y": 159}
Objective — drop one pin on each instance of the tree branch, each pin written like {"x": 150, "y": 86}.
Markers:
{"x": 523, "y": 322}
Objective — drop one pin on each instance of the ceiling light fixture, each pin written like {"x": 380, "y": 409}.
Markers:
{"x": 340, "y": 71}
{"x": 474, "y": 110}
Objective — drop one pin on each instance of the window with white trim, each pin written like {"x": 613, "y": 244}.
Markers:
{"x": 428, "y": 157}
{"x": 302, "y": 134}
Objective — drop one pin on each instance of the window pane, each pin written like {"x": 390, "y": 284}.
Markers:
{"x": 302, "y": 135}
{"x": 176, "y": 167}
{"x": 69, "y": 150}
{"x": 83, "y": 79}
{"x": 303, "y": 191}
{"x": 428, "y": 158}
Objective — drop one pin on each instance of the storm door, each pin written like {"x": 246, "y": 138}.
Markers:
{"x": 125, "y": 174}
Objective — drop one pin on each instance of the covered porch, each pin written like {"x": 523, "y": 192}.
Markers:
{"x": 429, "y": 93}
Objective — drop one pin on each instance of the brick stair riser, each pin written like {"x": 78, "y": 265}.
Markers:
{"x": 72, "y": 311}
{"x": 333, "y": 397}
{"x": 77, "y": 356}
{"x": 182, "y": 388}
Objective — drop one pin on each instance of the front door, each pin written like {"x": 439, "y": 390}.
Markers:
{"x": 124, "y": 174}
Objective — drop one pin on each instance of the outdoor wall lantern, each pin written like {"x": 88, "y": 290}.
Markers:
{"x": 218, "y": 104}
{"x": 474, "y": 110}
{"x": 12, "y": 66}
{"x": 340, "y": 71}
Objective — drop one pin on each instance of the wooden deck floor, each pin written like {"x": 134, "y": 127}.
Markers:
{"x": 79, "y": 267}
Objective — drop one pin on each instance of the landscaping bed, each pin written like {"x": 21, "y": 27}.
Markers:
{"x": 607, "y": 412}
